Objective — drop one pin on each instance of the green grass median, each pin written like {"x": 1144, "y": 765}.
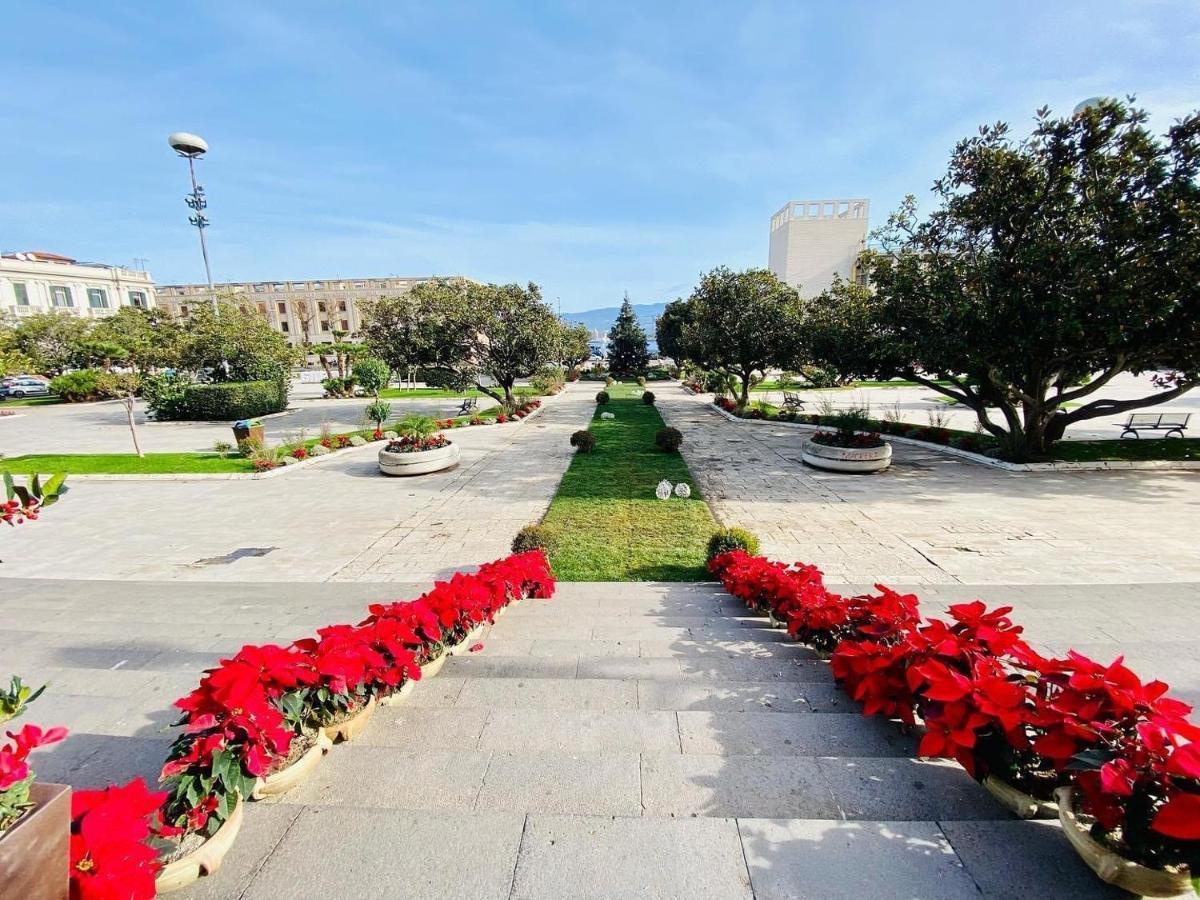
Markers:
{"x": 125, "y": 464}
{"x": 609, "y": 524}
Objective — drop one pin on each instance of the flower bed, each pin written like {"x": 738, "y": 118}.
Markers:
{"x": 855, "y": 440}
{"x": 986, "y": 699}
{"x": 239, "y": 724}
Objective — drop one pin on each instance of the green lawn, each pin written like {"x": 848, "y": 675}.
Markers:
{"x": 1143, "y": 448}
{"x": 124, "y": 463}
{"x": 610, "y": 526}
{"x": 854, "y": 385}
{"x": 425, "y": 394}
{"x": 11, "y": 402}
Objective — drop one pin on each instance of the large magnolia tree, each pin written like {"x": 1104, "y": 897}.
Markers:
{"x": 575, "y": 347}
{"x": 1050, "y": 266}
{"x": 742, "y": 322}
{"x": 668, "y": 330}
{"x": 466, "y": 331}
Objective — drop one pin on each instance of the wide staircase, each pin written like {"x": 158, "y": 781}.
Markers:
{"x": 641, "y": 740}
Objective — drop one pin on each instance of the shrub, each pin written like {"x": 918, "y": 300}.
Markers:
{"x": 725, "y": 539}
{"x": 609, "y": 381}
{"x": 583, "y": 441}
{"x": 339, "y": 387}
{"x": 602, "y": 398}
{"x": 372, "y": 374}
{"x": 546, "y": 382}
{"x": 641, "y": 381}
{"x": 378, "y": 412}
{"x": 648, "y": 398}
{"x": 535, "y": 537}
{"x": 668, "y": 439}
{"x": 177, "y": 398}
{"x": 94, "y": 384}
{"x": 573, "y": 375}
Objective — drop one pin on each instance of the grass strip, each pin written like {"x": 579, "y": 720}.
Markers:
{"x": 609, "y": 524}
{"x": 125, "y": 464}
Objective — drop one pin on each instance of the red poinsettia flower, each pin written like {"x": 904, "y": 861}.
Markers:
{"x": 110, "y": 858}
{"x": 1179, "y": 817}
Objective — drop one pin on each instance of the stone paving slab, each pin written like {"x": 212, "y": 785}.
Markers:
{"x": 755, "y": 733}
{"x": 796, "y": 858}
{"x": 601, "y": 784}
{"x": 904, "y": 788}
{"x": 381, "y": 854}
{"x": 667, "y": 859}
{"x": 678, "y": 785}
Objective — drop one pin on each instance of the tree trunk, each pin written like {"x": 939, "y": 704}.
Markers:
{"x": 745, "y": 376}
{"x": 127, "y": 400}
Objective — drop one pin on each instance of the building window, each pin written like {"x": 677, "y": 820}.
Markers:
{"x": 97, "y": 298}
{"x": 183, "y": 310}
{"x": 360, "y": 284}
{"x": 60, "y": 295}
{"x": 262, "y": 309}
{"x": 324, "y": 325}
{"x": 341, "y": 306}
{"x": 283, "y": 326}
{"x": 138, "y": 299}
{"x": 282, "y": 308}
{"x": 22, "y": 293}
{"x": 317, "y": 286}
{"x": 321, "y": 306}
{"x": 345, "y": 325}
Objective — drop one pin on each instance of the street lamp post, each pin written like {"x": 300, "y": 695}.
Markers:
{"x": 192, "y": 147}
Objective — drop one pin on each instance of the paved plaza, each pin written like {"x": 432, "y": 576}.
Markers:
{"x": 934, "y": 519}
{"x": 620, "y": 740}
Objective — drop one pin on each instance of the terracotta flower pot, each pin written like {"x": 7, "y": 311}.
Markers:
{"x": 352, "y": 727}
{"x": 297, "y": 773}
{"x": 395, "y": 698}
{"x": 34, "y": 856}
{"x": 1111, "y": 866}
{"x": 205, "y": 859}
{"x": 1017, "y": 802}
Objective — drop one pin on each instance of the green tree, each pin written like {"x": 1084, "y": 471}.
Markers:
{"x": 466, "y": 331}
{"x": 234, "y": 345}
{"x": 627, "y": 353}
{"x": 742, "y": 322}
{"x": 668, "y": 330}
{"x": 1051, "y": 265}
{"x": 371, "y": 374}
{"x": 576, "y": 348}
{"x": 148, "y": 337}
{"x": 51, "y": 340}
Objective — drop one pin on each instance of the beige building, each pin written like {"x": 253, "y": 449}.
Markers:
{"x": 814, "y": 240}
{"x": 306, "y": 311}
{"x": 35, "y": 281}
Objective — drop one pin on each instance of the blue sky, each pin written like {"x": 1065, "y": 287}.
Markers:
{"x": 590, "y": 147}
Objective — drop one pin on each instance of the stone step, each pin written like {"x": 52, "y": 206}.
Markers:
{"x": 664, "y": 668}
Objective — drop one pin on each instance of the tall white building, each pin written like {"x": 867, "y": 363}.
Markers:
{"x": 36, "y": 281}
{"x": 814, "y": 240}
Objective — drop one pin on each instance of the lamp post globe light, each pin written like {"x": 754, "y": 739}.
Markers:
{"x": 192, "y": 147}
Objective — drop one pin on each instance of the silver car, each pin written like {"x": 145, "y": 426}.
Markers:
{"x": 25, "y": 387}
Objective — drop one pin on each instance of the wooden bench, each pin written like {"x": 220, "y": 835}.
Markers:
{"x": 792, "y": 401}
{"x": 468, "y": 404}
{"x": 1173, "y": 424}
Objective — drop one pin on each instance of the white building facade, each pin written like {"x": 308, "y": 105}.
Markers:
{"x": 812, "y": 241}
{"x": 37, "y": 282}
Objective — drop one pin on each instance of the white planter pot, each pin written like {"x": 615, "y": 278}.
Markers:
{"x": 847, "y": 459}
{"x": 421, "y": 462}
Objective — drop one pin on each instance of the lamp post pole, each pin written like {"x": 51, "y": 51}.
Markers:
{"x": 192, "y": 147}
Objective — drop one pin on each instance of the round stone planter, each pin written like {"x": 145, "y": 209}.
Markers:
{"x": 1019, "y": 803}
{"x": 421, "y": 462}
{"x": 464, "y": 646}
{"x": 429, "y": 669}
{"x": 847, "y": 459}
{"x": 395, "y": 698}
{"x": 205, "y": 859}
{"x": 352, "y": 727}
{"x": 1112, "y": 867}
{"x": 297, "y": 773}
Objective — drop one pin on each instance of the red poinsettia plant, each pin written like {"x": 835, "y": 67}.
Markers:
{"x": 111, "y": 834}
{"x": 16, "y": 775}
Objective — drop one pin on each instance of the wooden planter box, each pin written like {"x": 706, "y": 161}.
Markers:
{"x": 34, "y": 853}
{"x": 255, "y": 433}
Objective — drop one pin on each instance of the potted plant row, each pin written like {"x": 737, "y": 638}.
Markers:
{"x": 260, "y": 722}
{"x": 1116, "y": 759}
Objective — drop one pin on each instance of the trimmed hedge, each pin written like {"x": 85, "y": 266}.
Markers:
{"x": 724, "y": 540}
{"x": 224, "y": 402}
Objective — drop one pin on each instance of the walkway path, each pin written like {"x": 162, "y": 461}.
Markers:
{"x": 932, "y": 518}
{"x": 617, "y": 741}
{"x": 337, "y": 520}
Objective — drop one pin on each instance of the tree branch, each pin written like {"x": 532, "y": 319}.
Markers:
{"x": 1098, "y": 408}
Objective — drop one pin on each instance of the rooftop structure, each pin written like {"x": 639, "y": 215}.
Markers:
{"x": 812, "y": 241}
{"x": 34, "y": 281}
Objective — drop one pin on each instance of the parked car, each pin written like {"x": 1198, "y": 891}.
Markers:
{"x": 25, "y": 387}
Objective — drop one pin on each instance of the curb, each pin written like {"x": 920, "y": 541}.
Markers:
{"x": 1115, "y": 465}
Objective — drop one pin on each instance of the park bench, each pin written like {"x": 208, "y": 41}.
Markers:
{"x": 792, "y": 401}
{"x": 468, "y": 404}
{"x": 1171, "y": 423}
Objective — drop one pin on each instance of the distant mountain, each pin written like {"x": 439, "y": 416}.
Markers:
{"x": 602, "y": 319}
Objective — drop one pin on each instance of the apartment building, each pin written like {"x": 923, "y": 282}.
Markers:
{"x": 35, "y": 281}
{"x": 812, "y": 241}
{"x": 306, "y": 311}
